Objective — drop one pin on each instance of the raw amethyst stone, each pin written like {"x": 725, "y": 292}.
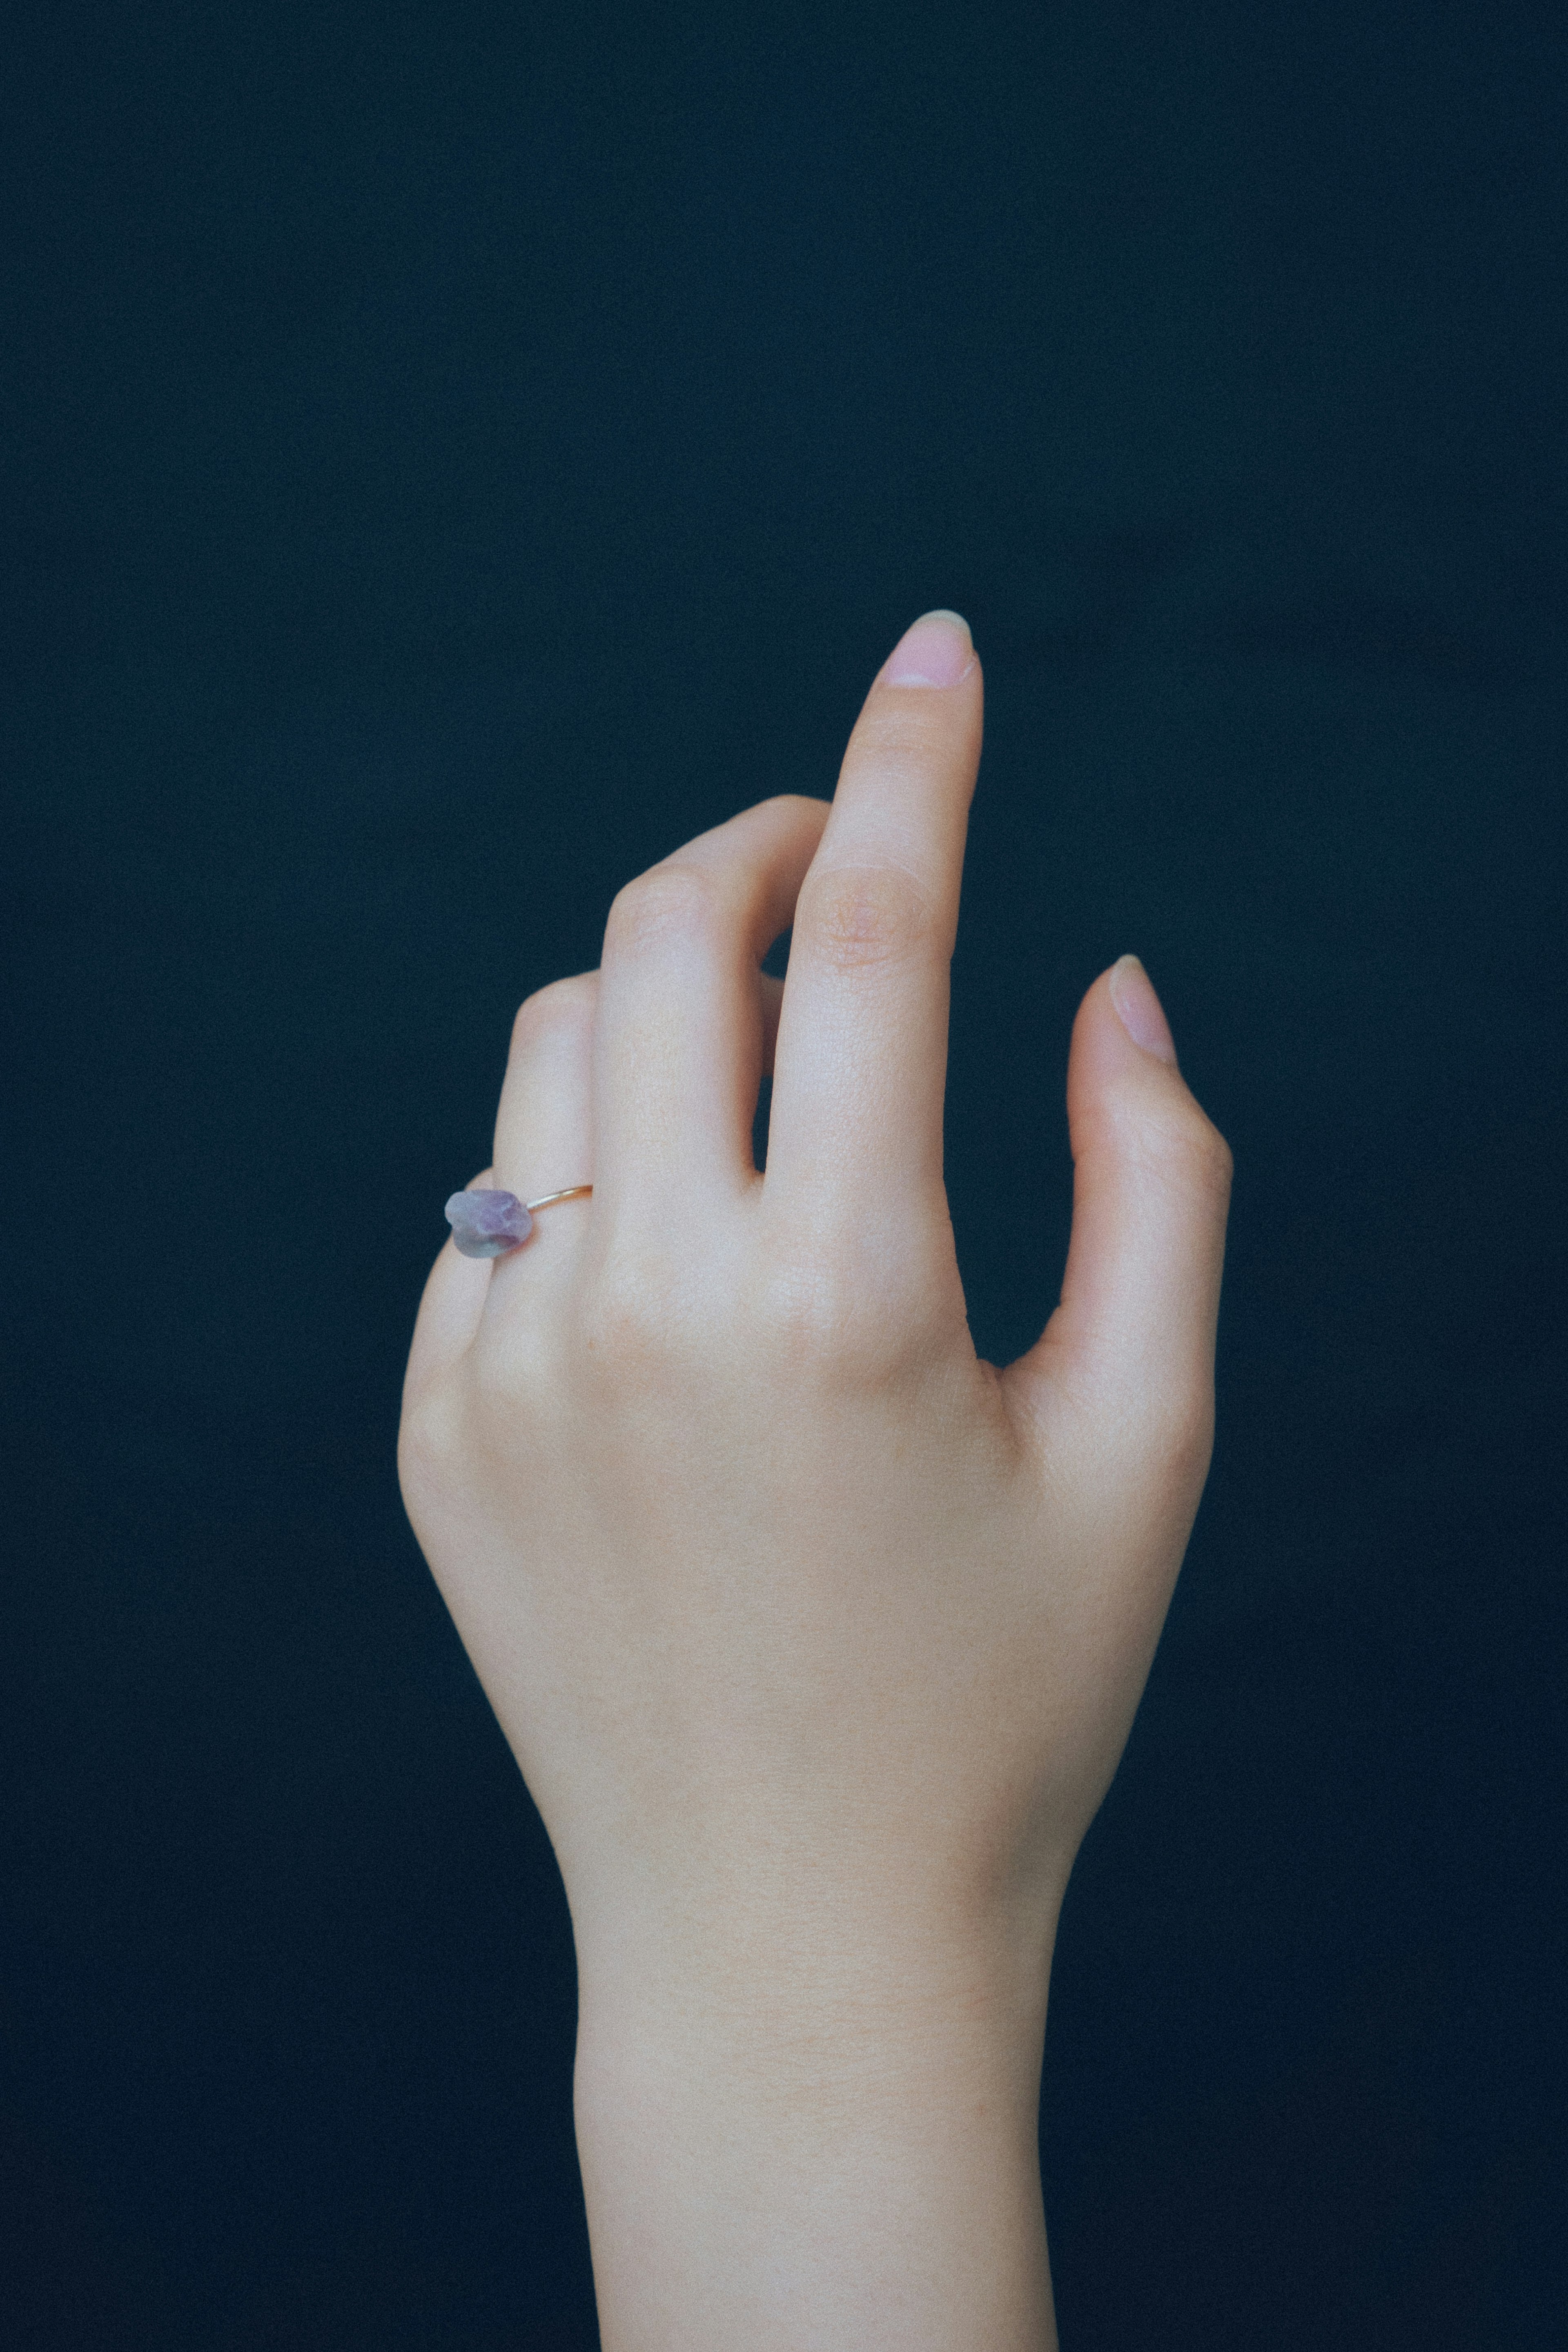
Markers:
{"x": 484, "y": 1224}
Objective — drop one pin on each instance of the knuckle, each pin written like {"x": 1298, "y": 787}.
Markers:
{"x": 564, "y": 1004}
{"x": 809, "y": 1311}
{"x": 634, "y": 1320}
{"x": 668, "y": 902}
{"x": 798, "y": 804}
{"x": 1209, "y": 1159}
{"x": 829, "y": 1325}
{"x": 1190, "y": 1150}
{"x": 1158, "y": 1433}
{"x": 1179, "y": 1440}
{"x": 430, "y": 1443}
{"x": 859, "y": 915}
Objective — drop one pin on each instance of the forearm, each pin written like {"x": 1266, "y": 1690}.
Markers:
{"x": 776, "y": 2166}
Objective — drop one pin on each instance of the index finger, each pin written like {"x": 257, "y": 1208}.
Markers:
{"x": 862, "y": 1058}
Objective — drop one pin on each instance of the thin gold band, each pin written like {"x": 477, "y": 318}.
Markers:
{"x": 570, "y": 1194}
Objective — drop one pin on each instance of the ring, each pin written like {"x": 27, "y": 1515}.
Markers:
{"x": 485, "y": 1224}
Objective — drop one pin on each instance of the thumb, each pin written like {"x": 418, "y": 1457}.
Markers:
{"x": 1151, "y": 1190}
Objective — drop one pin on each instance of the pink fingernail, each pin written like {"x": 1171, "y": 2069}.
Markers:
{"x": 1139, "y": 1008}
{"x": 936, "y": 651}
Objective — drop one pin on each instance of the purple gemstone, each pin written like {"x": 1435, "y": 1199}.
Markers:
{"x": 484, "y": 1224}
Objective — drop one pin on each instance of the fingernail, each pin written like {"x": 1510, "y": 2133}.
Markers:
{"x": 936, "y": 651}
{"x": 1139, "y": 1008}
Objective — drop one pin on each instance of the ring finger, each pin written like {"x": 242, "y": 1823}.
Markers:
{"x": 682, "y": 1030}
{"x": 544, "y": 1121}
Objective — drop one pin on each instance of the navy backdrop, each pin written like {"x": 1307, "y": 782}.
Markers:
{"x": 453, "y": 453}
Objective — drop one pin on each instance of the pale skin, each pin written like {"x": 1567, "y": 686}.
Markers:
{"x": 816, "y": 1638}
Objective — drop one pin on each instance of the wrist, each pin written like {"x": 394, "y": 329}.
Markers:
{"x": 814, "y": 2130}
{"x": 762, "y": 1978}
{"x": 811, "y": 2008}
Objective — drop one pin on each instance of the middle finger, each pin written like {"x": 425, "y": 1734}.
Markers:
{"x": 860, "y": 1065}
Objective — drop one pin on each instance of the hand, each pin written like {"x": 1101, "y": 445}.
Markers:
{"x": 816, "y": 1638}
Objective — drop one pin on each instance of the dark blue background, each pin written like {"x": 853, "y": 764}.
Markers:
{"x": 453, "y": 453}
